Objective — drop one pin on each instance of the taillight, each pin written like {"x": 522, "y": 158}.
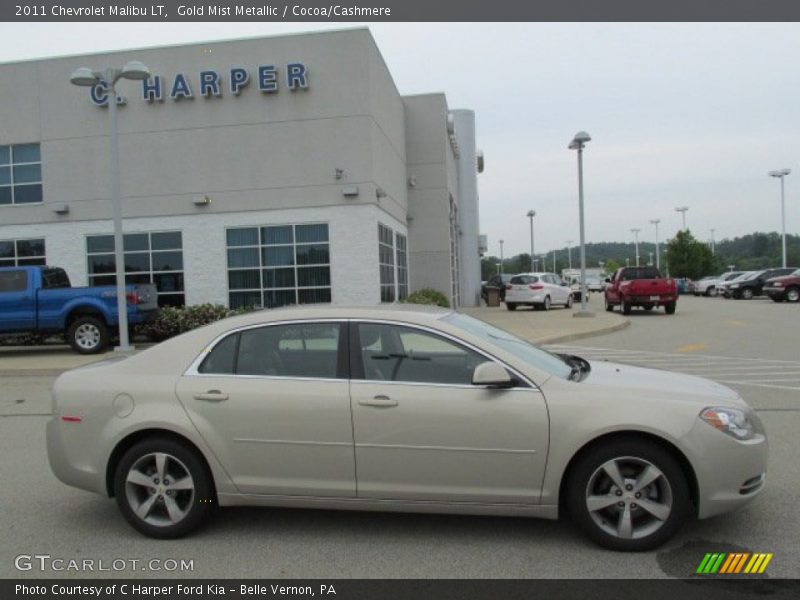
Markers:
{"x": 536, "y": 286}
{"x": 133, "y": 298}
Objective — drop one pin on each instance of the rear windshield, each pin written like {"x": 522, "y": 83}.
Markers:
{"x": 520, "y": 279}
{"x": 640, "y": 273}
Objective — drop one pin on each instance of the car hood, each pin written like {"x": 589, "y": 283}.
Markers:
{"x": 660, "y": 383}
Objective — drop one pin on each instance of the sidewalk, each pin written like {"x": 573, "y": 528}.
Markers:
{"x": 553, "y": 326}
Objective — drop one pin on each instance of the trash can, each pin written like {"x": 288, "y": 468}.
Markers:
{"x": 492, "y": 296}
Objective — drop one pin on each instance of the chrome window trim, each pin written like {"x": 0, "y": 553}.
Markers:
{"x": 193, "y": 367}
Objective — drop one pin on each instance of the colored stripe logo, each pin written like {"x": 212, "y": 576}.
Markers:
{"x": 722, "y": 563}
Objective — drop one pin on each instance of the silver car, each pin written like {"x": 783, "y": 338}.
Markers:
{"x": 400, "y": 409}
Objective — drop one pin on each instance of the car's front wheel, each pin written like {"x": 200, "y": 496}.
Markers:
{"x": 163, "y": 488}
{"x": 628, "y": 495}
{"x": 793, "y": 294}
{"x": 568, "y": 303}
{"x": 747, "y": 293}
{"x": 511, "y": 306}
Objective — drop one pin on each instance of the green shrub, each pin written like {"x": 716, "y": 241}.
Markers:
{"x": 428, "y": 296}
{"x": 172, "y": 321}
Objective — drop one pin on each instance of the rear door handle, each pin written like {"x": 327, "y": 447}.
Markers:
{"x": 378, "y": 401}
{"x": 211, "y": 396}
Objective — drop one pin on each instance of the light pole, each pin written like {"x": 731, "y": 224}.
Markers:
{"x": 569, "y": 252}
{"x": 554, "y": 261}
{"x": 501, "y": 256}
{"x": 635, "y": 233}
{"x": 107, "y": 78}
{"x": 531, "y": 214}
{"x": 602, "y": 264}
{"x": 682, "y": 210}
{"x": 780, "y": 175}
{"x": 577, "y": 143}
{"x": 713, "y": 245}
{"x": 656, "y": 222}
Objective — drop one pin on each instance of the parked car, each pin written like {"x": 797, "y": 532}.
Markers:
{"x": 407, "y": 409}
{"x": 724, "y": 288}
{"x": 539, "y": 290}
{"x": 786, "y": 287}
{"x": 708, "y": 286}
{"x": 753, "y": 285}
{"x": 640, "y": 286}
{"x": 41, "y": 300}
{"x": 498, "y": 281}
{"x": 593, "y": 284}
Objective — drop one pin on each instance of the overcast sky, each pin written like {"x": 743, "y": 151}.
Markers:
{"x": 679, "y": 114}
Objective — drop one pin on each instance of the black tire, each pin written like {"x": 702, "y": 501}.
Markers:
{"x": 511, "y": 306}
{"x": 792, "y": 294}
{"x": 609, "y": 307}
{"x": 193, "y": 505}
{"x": 626, "y": 307}
{"x": 546, "y": 303}
{"x": 669, "y": 308}
{"x": 569, "y": 302}
{"x": 667, "y": 495}
{"x": 777, "y": 298}
{"x": 88, "y": 335}
{"x": 747, "y": 293}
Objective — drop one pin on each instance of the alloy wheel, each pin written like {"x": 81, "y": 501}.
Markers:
{"x": 159, "y": 489}
{"x": 87, "y": 336}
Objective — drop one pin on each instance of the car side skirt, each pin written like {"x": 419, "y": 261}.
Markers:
{"x": 378, "y": 505}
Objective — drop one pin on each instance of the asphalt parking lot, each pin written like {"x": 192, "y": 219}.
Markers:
{"x": 749, "y": 345}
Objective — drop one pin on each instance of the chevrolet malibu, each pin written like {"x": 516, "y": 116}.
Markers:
{"x": 400, "y": 409}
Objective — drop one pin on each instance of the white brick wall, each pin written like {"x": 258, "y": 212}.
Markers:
{"x": 353, "y": 245}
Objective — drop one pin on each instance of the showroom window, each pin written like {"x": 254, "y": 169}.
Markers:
{"x": 20, "y": 174}
{"x": 278, "y": 265}
{"x": 393, "y": 264}
{"x": 155, "y": 257}
{"x": 402, "y": 266}
{"x": 17, "y": 253}
{"x": 386, "y": 263}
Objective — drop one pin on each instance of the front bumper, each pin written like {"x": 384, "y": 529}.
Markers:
{"x": 775, "y": 292}
{"x": 729, "y": 473}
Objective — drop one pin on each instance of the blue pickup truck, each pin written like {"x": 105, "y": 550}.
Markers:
{"x": 41, "y": 300}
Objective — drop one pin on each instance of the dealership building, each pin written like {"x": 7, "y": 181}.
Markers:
{"x": 257, "y": 172}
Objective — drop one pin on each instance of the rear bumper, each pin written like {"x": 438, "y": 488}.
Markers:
{"x": 659, "y": 300}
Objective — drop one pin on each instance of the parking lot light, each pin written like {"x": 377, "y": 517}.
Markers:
{"x": 656, "y": 222}
{"x": 780, "y": 175}
{"x": 84, "y": 76}
{"x": 577, "y": 143}
{"x": 682, "y": 210}
{"x": 501, "y": 256}
{"x": 635, "y": 233}
{"x": 531, "y": 214}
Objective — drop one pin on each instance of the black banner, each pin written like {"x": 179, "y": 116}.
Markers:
{"x": 701, "y": 588}
{"x": 400, "y": 10}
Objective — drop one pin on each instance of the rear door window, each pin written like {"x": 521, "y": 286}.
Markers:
{"x": 13, "y": 281}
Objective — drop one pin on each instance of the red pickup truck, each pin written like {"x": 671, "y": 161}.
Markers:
{"x": 640, "y": 286}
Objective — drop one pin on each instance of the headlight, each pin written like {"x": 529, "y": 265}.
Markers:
{"x": 734, "y": 285}
{"x": 777, "y": 284}
{"x": 733, "y": 421}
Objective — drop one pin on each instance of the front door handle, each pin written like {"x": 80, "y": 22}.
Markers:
{"x": 378, "y": 401}
{"x": 211, "y": 396}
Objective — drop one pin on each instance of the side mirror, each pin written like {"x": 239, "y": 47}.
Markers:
{"x": 607, "y": 280}
{"x": 492, "y": 374}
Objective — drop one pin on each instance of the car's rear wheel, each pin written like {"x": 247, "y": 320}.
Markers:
{"x": 88, "y": 335}
{"x": 669, "y": 308}
{"x": 511, "y": 306}
{"x": 793, "y": 294}
{"x": 628, "y": 495}
{"x": 747, "y": 293}
{"x": 163, "y": 489}
{"x": 546, "y": 303}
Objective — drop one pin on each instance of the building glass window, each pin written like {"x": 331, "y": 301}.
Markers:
{"x": 402, "y": 266}
{"x": 17, "y": 253}
{"x": 20, "y": 174}
{"x": 386, "y": 263}
{"x": 155, "y": 257}
{"x": 274, "y": 266}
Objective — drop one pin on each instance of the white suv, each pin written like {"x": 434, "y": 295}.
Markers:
{"x": 539, "y": 290}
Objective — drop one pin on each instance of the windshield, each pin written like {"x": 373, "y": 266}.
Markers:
{"x": 536, "y": 357}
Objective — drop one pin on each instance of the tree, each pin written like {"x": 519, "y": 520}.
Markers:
{"x": 689, "y": 258}
{"x": 611, "y": 266}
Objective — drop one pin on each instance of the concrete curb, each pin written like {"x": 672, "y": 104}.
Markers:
{"x": 559, "y": 339}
